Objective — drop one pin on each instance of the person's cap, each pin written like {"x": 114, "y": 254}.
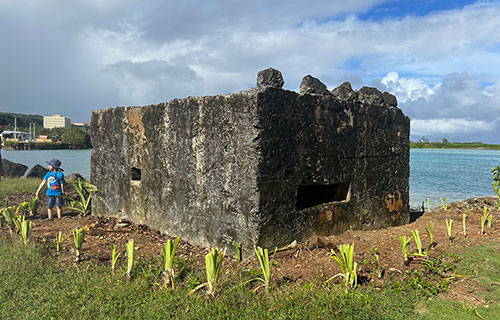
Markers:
{"x": 55, "y": 163}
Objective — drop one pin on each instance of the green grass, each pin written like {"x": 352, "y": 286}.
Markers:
{"x": 34, "y": 286}
{"x": 483, "y": 264}
{"x": 15, "y": 185}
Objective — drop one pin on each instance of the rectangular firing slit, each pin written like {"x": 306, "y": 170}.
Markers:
{"x": 312, "y": 195}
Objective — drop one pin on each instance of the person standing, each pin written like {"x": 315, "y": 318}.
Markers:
{"x": 55, "y": 188}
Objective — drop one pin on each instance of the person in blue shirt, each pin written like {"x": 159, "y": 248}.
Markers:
{"x": 55, "y": 187}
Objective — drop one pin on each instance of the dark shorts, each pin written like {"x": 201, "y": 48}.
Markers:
{"x": 57, "y": 200}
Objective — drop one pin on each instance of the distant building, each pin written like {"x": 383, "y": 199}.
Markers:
{"x": 16, "y": 136}
{"x": 56, "y": 121}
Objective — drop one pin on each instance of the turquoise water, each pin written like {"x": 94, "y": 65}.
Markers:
{"x": 450, "y": 173}
{"x": 434, "y": 173}
{"x": 72, "y": 160}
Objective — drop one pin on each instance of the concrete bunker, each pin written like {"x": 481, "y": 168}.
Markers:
{"x": 264, "y": 166}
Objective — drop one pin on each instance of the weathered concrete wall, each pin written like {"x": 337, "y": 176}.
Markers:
{"x": 325, "y": 140}
{"x": 264, "y": 166}
{"x": 198, "y": 159}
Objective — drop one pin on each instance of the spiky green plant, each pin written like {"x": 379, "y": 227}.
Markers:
{"x": 464, "y": 217}
{"x": 213, "y": 264}
{"x": 85, "y": 190}
{"x": 490, "y": 220}
{"x": 26, "y": 231}
{"x": 427, "y": 200}
{"x": 484, "y": 218}
{"x": 468, "y": 209}
{"x": 169, "y": 250}
{"x": 377, "y": 268}
{"x": 9, "y": 214}
{"x": 405, "y": 247}
{"x": 130, "y": 257}
{"x": 114, "y": 258}
{"x": 79, "y": 237}
{"x": 33, "y": 205}
{"x": 418, "y": 242}
{"x": 347, "y": 265}
{"x": 23, "y": 207}
{"x": 265, "y": 266}
{"x": 18, "y": 221}
{"x": 237, "y": 249}
{"x": 449, "y": 227}
{"x": 444, "y": 204}
{"x": 429, "y": 228}
{"x": 59, "y": 238}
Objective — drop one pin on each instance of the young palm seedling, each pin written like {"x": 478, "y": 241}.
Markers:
{"x": 265, "y": 265}
{"x": 377, "y": 268}
{"x": 213, "y": 264}
{"x": 8, "y": 214}
{"x": 427, "y": 200}
{"x": 59, "y": 238}
{"x": 114, "y": 258}
{"x": 449, "y": 227}
{"x": 464, "y": 217}
{"x": 79, "y": 237}
{"x": 85, "y": 190}
{"x": 18, "y": 221}
{"x": 429, "y": 228}
{"x": 237, "y": 249}
{"x": 418, "y": 242}
{"x": 169, "y": 250}
{"x": 405, "y": 247}
{"x": 444, "y": 204}
{"x": 32, "y": 206}
{"x": 23, "y": 208}
{"x": 347, "y": 265}
{"x": 490, "y": 220}
{"x": 130, "y": 257}
{"x": 26, "y": 231}
{"x": 484, "y": 218}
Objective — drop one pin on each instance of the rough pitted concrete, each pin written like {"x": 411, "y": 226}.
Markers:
{"x": 249, "y": 166}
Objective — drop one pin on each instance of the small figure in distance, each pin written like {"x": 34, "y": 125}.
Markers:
{"x": 55, "y": 187}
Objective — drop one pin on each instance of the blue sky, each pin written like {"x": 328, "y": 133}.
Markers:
{"x": 440, "y": 58}
{"x": 400, "y": 9}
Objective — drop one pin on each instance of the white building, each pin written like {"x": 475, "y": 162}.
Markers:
{"x": 16, "y": 135}
{"x": 56, "y": 121}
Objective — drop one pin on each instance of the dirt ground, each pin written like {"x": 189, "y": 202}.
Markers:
{"x": 301, "y": 262}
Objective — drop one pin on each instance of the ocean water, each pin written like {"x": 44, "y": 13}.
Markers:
{"x": 434, "y": 173}
{"x": 451, "y": 173}
{"x": 72, "y": 160}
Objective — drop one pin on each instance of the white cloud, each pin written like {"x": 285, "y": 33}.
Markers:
{"x": 74, "y": 56}
{"x": 406, "y": 88}
{"x": 456, "y": 108}
{"x": 450, "y": 126}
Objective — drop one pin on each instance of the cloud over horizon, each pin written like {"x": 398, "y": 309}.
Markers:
{"x": 72, "y": 57}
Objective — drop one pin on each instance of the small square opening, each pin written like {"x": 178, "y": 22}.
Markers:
{"x": 312, "y": 195}
{"x": 135, "y": 174}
